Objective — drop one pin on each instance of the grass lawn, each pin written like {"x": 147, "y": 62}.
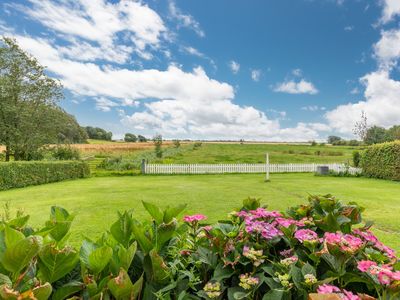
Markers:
{"x": 96, "y": 200}
{"x": 255, "y": 153}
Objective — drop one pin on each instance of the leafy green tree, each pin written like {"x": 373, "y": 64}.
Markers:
{"x": 98, "y": 133}
{"x": 332, "y": 139}
{"x": 393, "y": 133}
{"x": 130, "y": 137}
{"x": 142, "y": 139}
{"x": 28, "y": 102}
{"x": 375, "y": 135}
{"x": 69, "y": 130}
{"x": 177, "y": 143}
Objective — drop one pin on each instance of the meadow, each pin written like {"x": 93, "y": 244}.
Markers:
{"x": 97, "y": 200}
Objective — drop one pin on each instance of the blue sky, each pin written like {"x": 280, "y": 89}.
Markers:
{"x": 278, "y": 70}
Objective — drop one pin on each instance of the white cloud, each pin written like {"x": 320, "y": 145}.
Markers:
{"x": 297, "y": 72}
{"x": 105, "y": 104}
{"x": 381, "y": 104}
{"x": 255, "y": 75}
{"x": 313, "y": 108}
{"x": 355, "y": 91}
{"x": 184, "y": 20}
{"x": 193, "y": 51}
{"x": 391, "y": 8}
{"x": 387, "y": 49}
{"x": 299, "y": 87}
{"x": 234, "y": 66}
{"x": 349, "y": 28}
{"x": 93, "y": 26}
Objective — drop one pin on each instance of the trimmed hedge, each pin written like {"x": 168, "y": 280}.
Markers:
{"x": 382, "y": 161}
{"x": 21, "y": 174}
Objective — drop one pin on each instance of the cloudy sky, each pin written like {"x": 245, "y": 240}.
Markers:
{"x": 278, "y": 70}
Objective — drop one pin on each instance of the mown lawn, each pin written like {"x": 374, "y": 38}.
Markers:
{"x": 255, "y": 153}
{"x": 96, "y": 200}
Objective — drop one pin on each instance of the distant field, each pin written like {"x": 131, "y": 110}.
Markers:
{"x": 210, "y": 153}
{"x": 97, "y": 200}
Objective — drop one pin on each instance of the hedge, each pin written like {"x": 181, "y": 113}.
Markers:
{"x": 382, "y": 161}
{"x": 21, "y": 174}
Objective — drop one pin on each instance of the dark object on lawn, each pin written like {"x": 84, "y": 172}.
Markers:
{"x": 322, "y": 170}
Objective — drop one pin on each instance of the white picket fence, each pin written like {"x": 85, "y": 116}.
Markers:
{"x": 240, "y": 168}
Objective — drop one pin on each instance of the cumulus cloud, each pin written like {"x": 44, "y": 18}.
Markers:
{"x": 256, "y": 75}
{"x": 184, "y": 20}
{"x": 387, "y": 49}
{"x": 391, "y": 8}
{"x": 234, "y": 66}
{"x": 313, "y": 108}
{"x": 296, "y": 87}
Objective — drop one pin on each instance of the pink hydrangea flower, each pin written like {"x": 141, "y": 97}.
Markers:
{"x": 194, "y": 218}
{"x": 346, "y": 242}
{"x": 385, "y": 277}
{"x": 303, "y": 235}
{"x": 327, "y": 289}
{"x": 285, "y": 222}
{"x": 365, "y": 265}
{"x": 263, "y": 213}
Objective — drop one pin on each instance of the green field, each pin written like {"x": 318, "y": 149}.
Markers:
{"x": 96, "y": 200}
{"x": 210, "y": 153}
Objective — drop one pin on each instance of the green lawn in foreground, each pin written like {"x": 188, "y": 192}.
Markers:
{"x": 96, "y": 200}
{"x": 210, "y": 153}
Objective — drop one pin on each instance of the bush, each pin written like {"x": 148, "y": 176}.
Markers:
{"x": 65, "y": 153}
{"x": 116, "y": 164}
{"x": 356, "y": 158}
{"x": 21, "y": 174}
{"x": 255, "y": 254}
{"x": 382, "y": 161}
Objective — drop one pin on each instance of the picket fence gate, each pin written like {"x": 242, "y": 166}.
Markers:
{"x": 241, "y": 168}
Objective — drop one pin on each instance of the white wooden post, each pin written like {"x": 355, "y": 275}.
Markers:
{"x": 267, "y": 166}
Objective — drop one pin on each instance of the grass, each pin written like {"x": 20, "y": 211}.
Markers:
{"x": 96, "y": 200}
{"x": 210, "y": 153}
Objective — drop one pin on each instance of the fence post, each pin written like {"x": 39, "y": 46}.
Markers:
{"x": 143, "y": 166}
{"x": 267, "y": 166}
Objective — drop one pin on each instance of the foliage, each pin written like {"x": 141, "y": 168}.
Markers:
{"x": 197, "y": 145}
{"x": 382, "y": 161}
{"x": 158, "y": 141}
{"x": 361, "y": 127}
{"x": 28, "y": 103}
{"x": 98, "y": 133}
{"x": 21, "y": 174}
{"x": 130, "y": 137}
{"x": 142, "y": 139}
{"x": 356, "y": 158}
{"x": 254, "y": 254}
{"x": 69, "y": 131}
{"x": 176, "y": 143}
{"x": 65, "y": 152}
{"x": 332, "y": 139}
{"x": 375, "y": 135}
{"x": 116, "y": 164}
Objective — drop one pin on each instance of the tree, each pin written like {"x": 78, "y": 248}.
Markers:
{"x": 157, "y": 140}
{"x": 69, "y": 130}
{"x": 28, "y": 101}
{"x": 393, "y": 133}
{"x": 97, "y": 133}
{"x": 142, "y": 139}
{"x": 332, "y": 139}
{"x": 130, "y": 137}
{"x": 361, "y": 127}
{"x": 177, "y": 143}
{"x": 375, "y": 135}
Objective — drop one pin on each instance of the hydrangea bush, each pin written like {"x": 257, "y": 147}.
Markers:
{"x": 315, "y": 249}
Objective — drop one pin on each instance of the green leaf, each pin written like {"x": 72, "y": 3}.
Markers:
{"x": 4, "y": 279}
{"x": 94, "y": 257}
{"x": 137, "y": 288}
{"x": 122, "y": 258}
{"x": 68, "y": 290}
{"x": 18, "y": 222}
{"x": 59, "y": 223}
{"x": 222, "y": 272}
{"x": 159, "y": 268}
{"x": 276, "y": 295}
{"x": 21, "y": 253}
{"x": 139, "y": 231}
{"x": 55, "y": 264}
{"x": 164, "y": 233}
{"x": 121, "y": 230}
{"x": 297, "y": 276}
{"x": 154, "y": 211}
{"x": 12, "y": 236}
{"x": 121, "y": 287}
{"x": 172, "y": 212}
{"x": 42, "y": 292}
{"x": 308, "y": 269}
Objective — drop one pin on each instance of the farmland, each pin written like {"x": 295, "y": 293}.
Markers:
{"x": 96, "y": 200}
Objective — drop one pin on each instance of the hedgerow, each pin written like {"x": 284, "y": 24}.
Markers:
{"x": 21, "y": 174}
{"x": 382, "y": 161}
{"x": 254, "y": 254}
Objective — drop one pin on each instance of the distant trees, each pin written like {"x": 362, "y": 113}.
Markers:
{"x": 157, "y": 140}
{"x": 70, "y": 132}
{"x": 29, "y": 115}
{"x": 142, "y": 139}
{"x": 332, "y": 139}
{"x": 98, "y": 133}
{"x": 130, "y": 137}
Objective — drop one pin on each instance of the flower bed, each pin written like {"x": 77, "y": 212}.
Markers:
{"x": 317, "y": 250}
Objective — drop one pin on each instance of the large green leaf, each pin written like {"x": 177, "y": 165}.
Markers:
{"x": 18, "y": 222}
{"x": 68, "y": 290}
{"x": 144, "y": 242}
{"x": 59, "y": 223}
{"x": 122, "y": 258}
{"x": 172, "y": 212}
{"x": 154, "y": 211}
{"x": 276, "y": 295}
{"x": 12, "y": 236}
{"x": 121, "y": 230}
{"x": 21, "y": 253}
{"x": 121, "y": 287}
{"x": 164, "y": 233}
{"x": 55, "y": 264}
{"x": 42, "y": 292}
{"x": 159, "y": 268}
{"x": 99, "y": 259}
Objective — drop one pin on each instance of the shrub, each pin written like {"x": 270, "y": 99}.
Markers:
{"x": 158, "y": 141}
{"x": 356, "y": 158}
{"x": 21, "y": 174}
{"x": 382, "y": 161}
{"x": 116, "y": 164}
{"x": 65, "y": 153}
{"x": 177, "y": 143}
{"x": 255, "y": 254}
